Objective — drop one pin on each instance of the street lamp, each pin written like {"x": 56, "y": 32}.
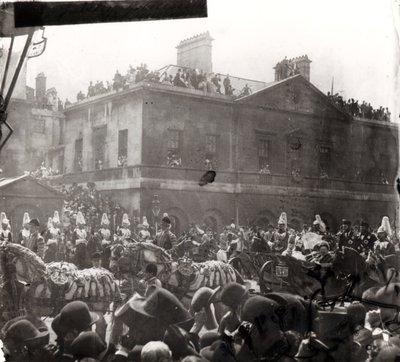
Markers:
{"x": 155, "y": 208}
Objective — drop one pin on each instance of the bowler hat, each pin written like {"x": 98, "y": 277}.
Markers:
{"x": 34, "y": 222}
{"x": 88, "y": 344}
{"x": 161, "y": 305}
{"x": 24, "y": 332}
{"x": 178, "y": 341}
{"x": 201, "y": 299}
{"x": 232, "y": 294}
{"x": 75, "y": 316}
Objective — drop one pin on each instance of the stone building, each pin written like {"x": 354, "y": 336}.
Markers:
{"x": 37, "y": 122}
{"x": 285, "y": 147}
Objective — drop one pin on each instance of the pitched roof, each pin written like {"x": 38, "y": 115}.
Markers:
{"x": 7, "y": 181}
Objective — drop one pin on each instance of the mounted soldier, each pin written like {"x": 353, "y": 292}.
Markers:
{"x": 79, "y": 239}
{"x": 35, "y": 242}
{"x": 384, "y": 246}
{"x": 365, "y": 240}
{"x": 106, "y": 240}
{"x": 5, "y": 230}
{"x": 346, "y": 236}
{"x": 23, "y": 235}
{"x": 144, "y": 233}
{"x": 124, "y": 230}
{"x": 281, "y": 236}
{"x": 165, "y": 238}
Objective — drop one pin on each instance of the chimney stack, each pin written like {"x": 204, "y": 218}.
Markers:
{"x": 41, "y": 88}
{"x": 290, "y": 67}
{"x": 196, "y": 52}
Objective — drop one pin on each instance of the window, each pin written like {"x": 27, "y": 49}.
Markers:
{"x": 174, "y": 140}
{"x": 99, "y": 143}
{"x": 122, "y": 148}
{"x": 211, "y": 144}
{"x": 39, "y": 125}
{"x": 324, "y": 161}
{"x": 263, "y": 153}
{"x": 78, "y": 155}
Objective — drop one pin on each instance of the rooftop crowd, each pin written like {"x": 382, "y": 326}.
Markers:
{"x": 233, "y": 322}
{"x": 362, "y": 110}
{"x": 183, "y": 77}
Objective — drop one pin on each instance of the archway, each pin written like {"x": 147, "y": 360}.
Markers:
{"x": 265, "y": 218}
{"x": 213, "y": 218}
{"x": 211, "y": 222}
{"x": 178, "y": 219}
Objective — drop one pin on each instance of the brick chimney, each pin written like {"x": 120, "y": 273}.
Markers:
{"x": 41, "y": 88}
{"x": 289, "y": 67}
{"x": 196, "y": 52}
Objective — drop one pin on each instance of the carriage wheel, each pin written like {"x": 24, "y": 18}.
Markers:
{"x": 268, "y": 280}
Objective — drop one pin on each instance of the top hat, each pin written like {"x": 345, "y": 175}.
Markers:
{"x": 75, "y": 316}
{"x": 201, "y": 299}
{"x": 88, "y": 344}
{"x": 160, "y": 305}
{"x": 24, "y": 332}
{"x": 34, "y": 222}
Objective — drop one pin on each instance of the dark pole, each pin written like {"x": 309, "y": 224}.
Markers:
{"x": 3, "y": 83}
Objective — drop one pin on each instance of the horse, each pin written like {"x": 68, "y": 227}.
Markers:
{"x": 183, "y": 277}
{"x": 53, "y": 285}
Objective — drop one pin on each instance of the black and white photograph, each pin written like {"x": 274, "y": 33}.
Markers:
{"x": 200, "y": 181}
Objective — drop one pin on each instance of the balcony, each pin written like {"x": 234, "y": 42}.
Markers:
{"x": 146, "y": 173}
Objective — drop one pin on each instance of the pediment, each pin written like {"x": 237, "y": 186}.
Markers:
{"x": 294, "y": 94}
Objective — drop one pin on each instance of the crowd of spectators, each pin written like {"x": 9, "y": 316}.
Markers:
{"x": 44, "y": 172}
{"x": 363, "y": 110}
{"x": 90, "y": 202}
{"x": 184, "y": 77}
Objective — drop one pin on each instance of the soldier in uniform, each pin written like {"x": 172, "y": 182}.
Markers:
{"x": 5, "y": 231}
{"x": 281, "y": 236}
{"x": 35, "y": 242}
{"x": 79, "y": 239}
{"x": 124, "y": 231}
{"x": 346, "y": 236}
{"x": 51, "y": 239}
{"x": 23, "y": 235}
{"x": 106, "y": 240}
{"x": 365, "y": 240}
{"x": 383, "y": 246}
{"x": 165, "y": 238}
{"x": 144, "y": 233}
{"x": 319, "y": 226}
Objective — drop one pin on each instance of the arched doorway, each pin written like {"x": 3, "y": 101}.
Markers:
{"x": 211, "y": 222}
{"x": 265, "y": 218}
{"x": 263, "y": 222}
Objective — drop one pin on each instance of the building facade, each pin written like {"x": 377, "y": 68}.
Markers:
{"x": 285, "y": 147}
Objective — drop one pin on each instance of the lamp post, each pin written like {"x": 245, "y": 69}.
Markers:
{"x": 155, "y": 209}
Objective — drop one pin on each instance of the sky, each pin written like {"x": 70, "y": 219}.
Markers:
{"x": 352, "y": 41}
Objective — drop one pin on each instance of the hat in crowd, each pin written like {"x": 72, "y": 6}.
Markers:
{"x": 75, "y": 316}
{"x": 155, "y": 351}
{"x": 134, "y": 353}
{"x": 125, "y": 220}
{"x": 166, "y": 219}
{"x": 318, "y": 221}
{"x": 178, "y": 341}
{"x": 357, "y": 313}
{"x": 3, "y": 218}
{"x": 104, "y": 219}
{"x": 346, "y": 222}
{"x": 310, "y": 347}
{"x": 201, "y": 299}
{"x": 25, "y": 333}
{"x": 208, "y": 352}
{"x": 160, "y": 305}
{"x": 385, "y": 226}
{"x": 34, "y": 222}
{"x": 88, "y": 344}
{"x": 96, "y": 255}
{"x": 364, "y": 223}
{"x": 56, "y": 218}
{"x": 232, "y": 294}
{"x": 26, "y": 219}
{"x": 258, "y": 310}
{"x": 283, "y": 219}
{"x": 80, "y": 220}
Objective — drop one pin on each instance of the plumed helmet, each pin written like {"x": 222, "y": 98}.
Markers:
{"x": 104, "y": 219}
{"x": 318, "y": 221}
{"x": 283, "y": 219}
{"x": 3, "y": 218}
{"x": 385, "y": 226}
{"x": 125, "y": 220}
{"x": 56, "y": 217}
{"x": 26, "y": 219}
{"x": 49, "y": 223}
{"x": 80, "y": 220}
{"x": 145, "y": 223}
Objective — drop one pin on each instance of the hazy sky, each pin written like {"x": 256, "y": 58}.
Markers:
{"x": 351, "y": 40}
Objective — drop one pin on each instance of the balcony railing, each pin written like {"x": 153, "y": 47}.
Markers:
{"x": 226, "y": 177}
